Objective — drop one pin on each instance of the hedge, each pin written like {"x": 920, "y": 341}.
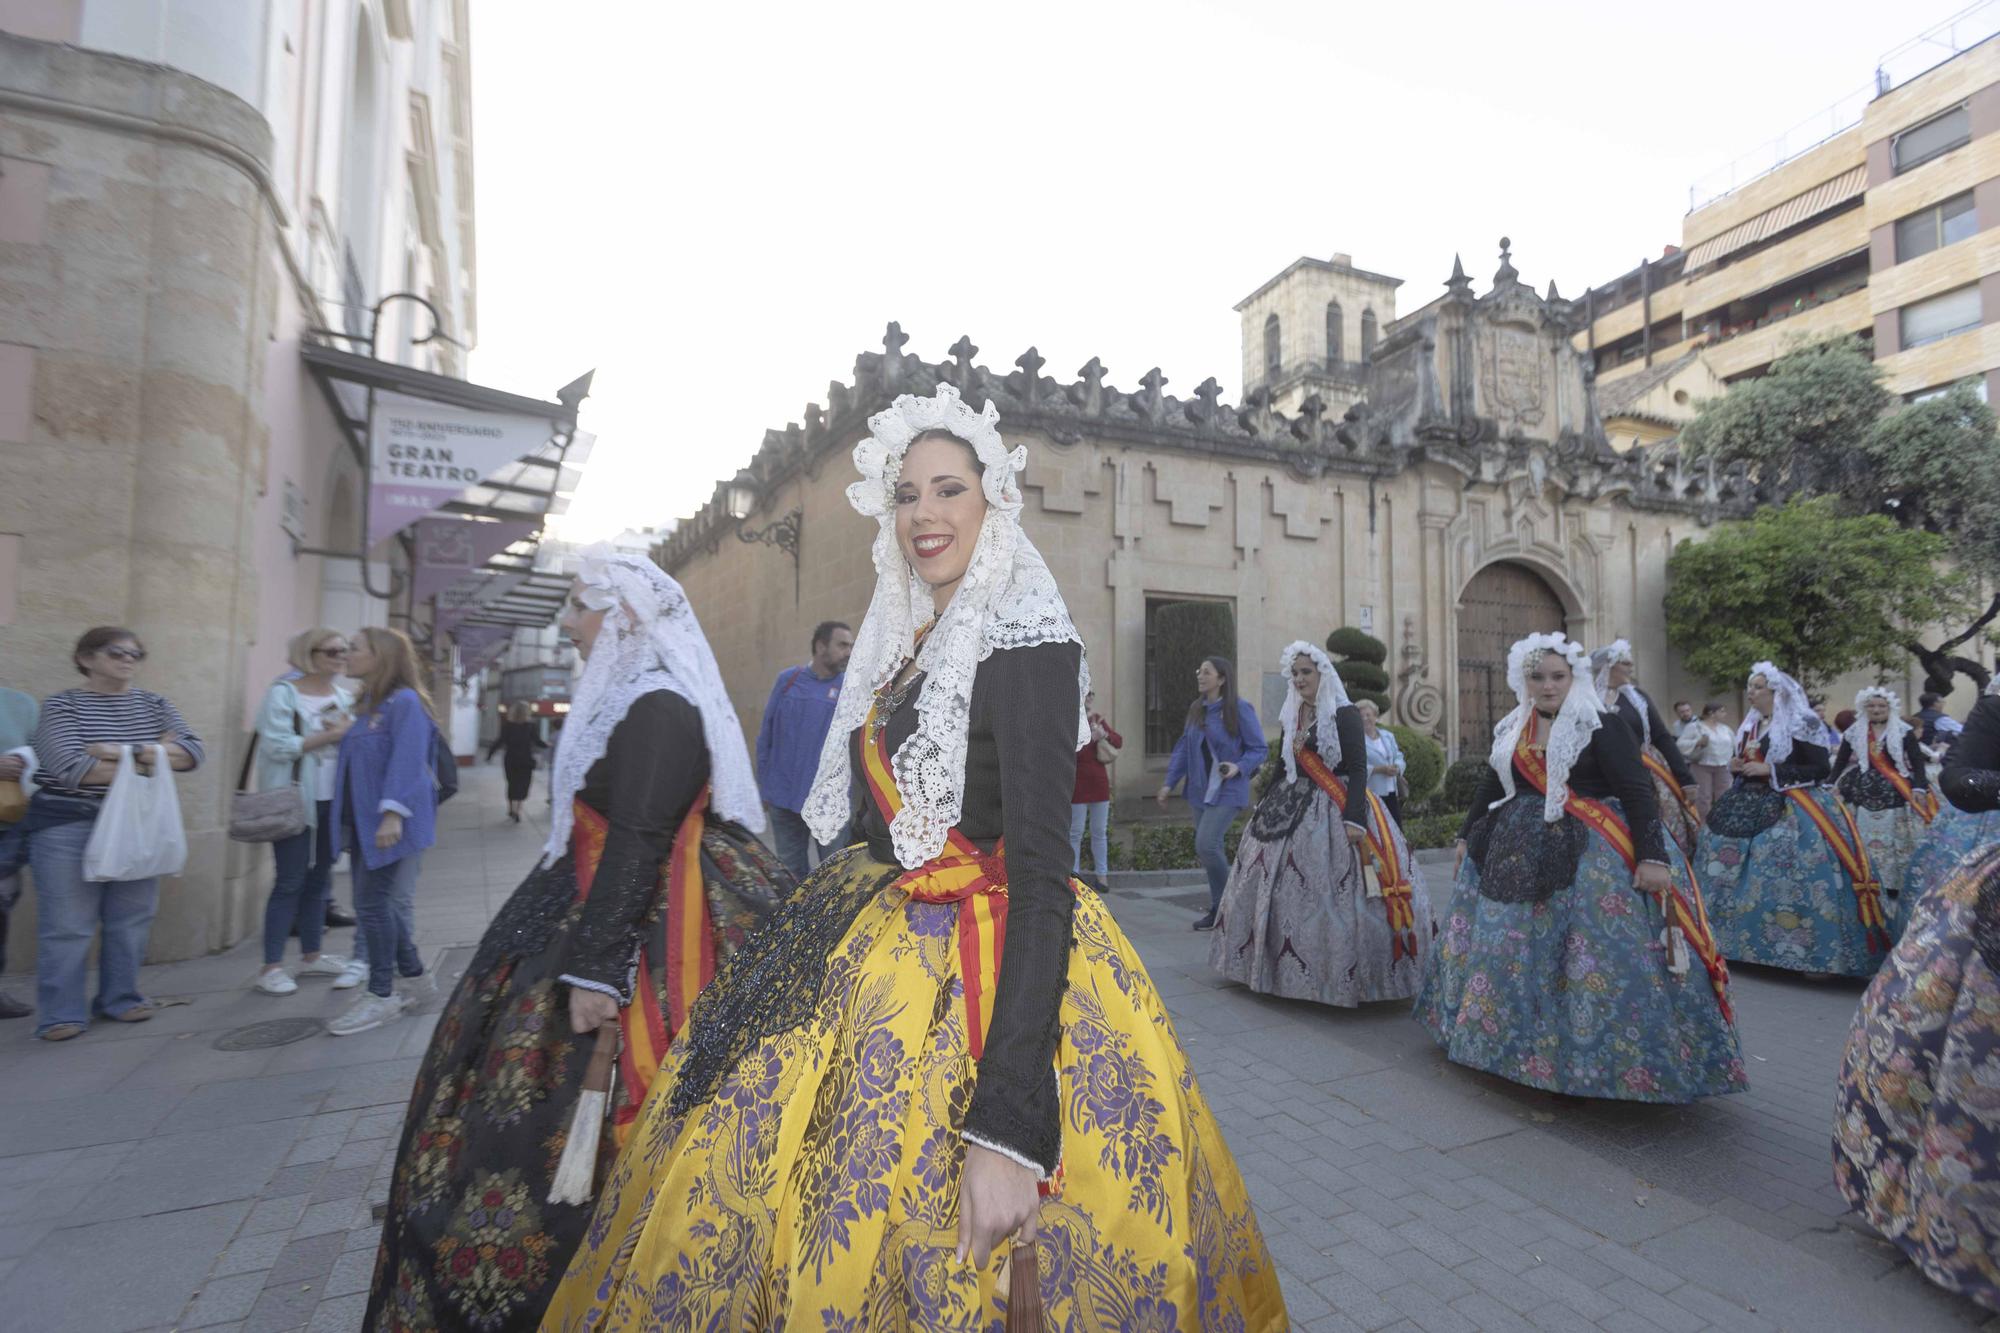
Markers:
{"x": 1423, "y": 758}
{"x": 1348, "y": 642}
{"x": 1462, "y": 779}
{"x": 1164, "y": 846}
{"x": 1430, "y": 831}
{"x": 1183, "y": 634}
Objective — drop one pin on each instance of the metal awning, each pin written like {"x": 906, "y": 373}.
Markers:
{"x": 1785, "y": 216}
{"x": 522, "y": 602}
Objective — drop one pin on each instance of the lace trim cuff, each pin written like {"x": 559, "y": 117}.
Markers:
{"x": 585, "y": 983}
{"x": 1042, "y": 1174}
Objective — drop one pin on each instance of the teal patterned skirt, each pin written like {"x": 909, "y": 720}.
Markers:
{"x": 1558, "y": 979}
{"x": 1954, "y": 835}
{"x": 1779, "y": 896}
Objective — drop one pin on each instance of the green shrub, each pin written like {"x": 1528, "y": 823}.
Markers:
{"x": 1350, "y": 643}
{"x": 1164, "y": 846}
{"x": 1462, "y": 779}
{"x": 1423, "y": 758}
{"x": 1269, "y": 771}
{"x": 1363, "y": 678}
{"x": 1429, "y": 832}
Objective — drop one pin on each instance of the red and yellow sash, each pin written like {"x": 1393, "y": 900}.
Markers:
{"x": 1658, "y": 768}
{"x": 1692, "y": 918}
{"x": 1925, "y": 805}
{"x": 1844, "y": 837}
{"x": 647, "y": 1025}
{"x": 1395, "y": 883}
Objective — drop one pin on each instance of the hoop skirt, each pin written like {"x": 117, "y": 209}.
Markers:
{"x": 1778, "y": 895}
{"x": 1954, "y": 835}
{"x": 1916, "y": 1140}
{"x": 797, "y": 1164}
{"x": 1890, "y": 830}
{"x": 1296, "y": 919}
{"x": 1548, "y": 970}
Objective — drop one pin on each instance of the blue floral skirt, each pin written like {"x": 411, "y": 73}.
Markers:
{"x": 1954, "y": 835}
{"x": 1781, "y": 897}
{"x": 1571, "y": 992}
{"x": 808, "y": 1179}
{"x": 1916, "y": 1135}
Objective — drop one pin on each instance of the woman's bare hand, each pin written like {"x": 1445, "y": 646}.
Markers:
{"x": 997, "y": 1198}
{"x": 590, "y": 1009}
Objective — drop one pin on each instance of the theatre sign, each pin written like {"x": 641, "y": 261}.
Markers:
{"x": 425, "y": 454}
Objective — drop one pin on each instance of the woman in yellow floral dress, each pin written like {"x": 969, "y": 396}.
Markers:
{"x": 941, "y": 1048}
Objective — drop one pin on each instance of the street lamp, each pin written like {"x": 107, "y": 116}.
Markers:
{"x": 740, "y": 499}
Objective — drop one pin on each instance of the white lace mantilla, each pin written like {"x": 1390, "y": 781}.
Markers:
{"x": 1792, "y": 718}
{"x": 650, "y": 641}
{"x": 1620, "y": 650}
{"x": 1007, "y": 599}
{"x": 1332, "y": 696}
{"x": 1581, "y": 714}
{"x": 1894, "y": 732}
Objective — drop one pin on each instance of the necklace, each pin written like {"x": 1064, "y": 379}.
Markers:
{"x": 889, "y": 696}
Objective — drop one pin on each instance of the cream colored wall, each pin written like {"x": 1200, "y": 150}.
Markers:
{"x": 1938, "y": 179}
{"x": 1300, "y": 302}
{"x": 1843, "y": 234}
{"x": 1747, "y": 351}
{"x": 1950, "y": 83}
{"x": 1816, "y": 166}
{"x": 1973, "y": 352}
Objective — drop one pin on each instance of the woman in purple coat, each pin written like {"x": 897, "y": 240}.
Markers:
{"x": 384, "y": 816}
{"x": 1219, "y": 748}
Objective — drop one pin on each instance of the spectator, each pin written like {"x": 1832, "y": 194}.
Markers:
{"x": 384, "y": 816}
{"x": 520, "y": 737}
{"x": 77, "y": 746}
{"x": 1685, "y": 723}
{"x": 1090, "y": 803}
{"x": 17, "y": 726}
{"x": 1714, "y": 745}
{"x": 299, "y": 728}
{"x": 1221, "y": 735}
{"x": 1386, "y": 764}
{"x": 789, "y": 742}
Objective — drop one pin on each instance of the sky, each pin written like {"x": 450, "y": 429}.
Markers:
{"x": 719, "y": 206}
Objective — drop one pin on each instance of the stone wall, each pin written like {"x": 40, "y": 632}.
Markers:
{"x": 139, "y": 301}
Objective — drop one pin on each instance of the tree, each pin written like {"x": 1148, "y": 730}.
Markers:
{"x": 1821, "y": 423}
{"x": 1817, "y": 591}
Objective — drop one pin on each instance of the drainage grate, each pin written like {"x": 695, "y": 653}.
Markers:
{"x": 274, "y": 1032}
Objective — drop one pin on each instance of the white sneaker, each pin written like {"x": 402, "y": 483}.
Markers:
{"x": 413, "y": 991}
{"x": 352, "y": 973}
{"x": 274, "y": 983}
{"x": 326, "y": 965}
{"x": 369, "y": 1012}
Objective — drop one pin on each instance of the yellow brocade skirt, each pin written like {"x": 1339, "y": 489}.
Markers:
{"x": 816, "y": 1186}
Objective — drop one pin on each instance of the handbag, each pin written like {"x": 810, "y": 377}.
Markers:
{"x": 138, "y": 834}
{"x": 267, "y": 816}
{"x": 14, "y": 791}
{"x": 1106, "y": 752}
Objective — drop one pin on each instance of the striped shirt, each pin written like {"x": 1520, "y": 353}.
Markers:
{"x": 75, "y": 719}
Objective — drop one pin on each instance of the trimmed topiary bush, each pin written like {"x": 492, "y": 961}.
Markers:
{"x": 1462, "y": 779}
{"x": 1348, "y": 642}
{"x": 1363, "y": 678}
{"x": 1423, "y": 761}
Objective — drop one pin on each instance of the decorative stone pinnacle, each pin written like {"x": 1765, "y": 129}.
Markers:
{"x": 1507, "y": 272}
{"x": 963, "y": 351}
{"x": 1031, "y": 363}
{"x": 1458, "y": 282}
{"x": 893, "y": 339}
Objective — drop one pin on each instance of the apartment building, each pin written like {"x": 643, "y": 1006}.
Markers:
{"x": 1889, "y": 229}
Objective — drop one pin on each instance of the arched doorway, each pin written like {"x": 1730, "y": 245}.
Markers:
{"x": 1503, "y": 603}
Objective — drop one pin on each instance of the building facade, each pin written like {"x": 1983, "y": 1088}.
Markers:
{"x": 1886, "y": 229}
{"x": 190, "y": 192}
{"x": 1467, "y": 496}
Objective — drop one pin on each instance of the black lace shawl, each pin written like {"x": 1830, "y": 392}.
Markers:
{"x": 1859, "y": 783}
{"x": 1608, "y": 766}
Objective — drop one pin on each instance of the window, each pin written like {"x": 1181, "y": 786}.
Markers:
{"x": 1273, "y": 359}
{"x": 1935, "y": 227}
{"x": 1180, "y": 632}
{"x": 1933, "y": 138}
{"x": 1940, "y": 316}
{"x": 1333, "y": 335}
{"x": 1977, "y": 384}
{"x": 1367, "y": 335}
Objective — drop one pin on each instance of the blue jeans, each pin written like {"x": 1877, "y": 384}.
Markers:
{"x": 71, "y": 912}
{"x": 1097, "y": 814}
{"x": 1211, "y": 827}
{"x": 385, "y": 905}
{"x": 299, "y": 892}
{"x": 795, "y": 844}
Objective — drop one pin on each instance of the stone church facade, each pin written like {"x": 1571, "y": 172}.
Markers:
{"x": 1464, "y": 496}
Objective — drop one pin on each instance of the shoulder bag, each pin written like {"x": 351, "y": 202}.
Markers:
{"x": 267, "y": 816}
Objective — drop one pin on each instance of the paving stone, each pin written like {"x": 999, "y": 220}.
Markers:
{"x": 305, "y": 1260}
{"x": 353, "y": 1271}
{"x": 158, "y": 1264}
{"x": 224, "y": 1300}
{"x": 280, "y": 1309}
{"x": 252, "y": 1254}
{"x": 300, "y": 1179}
{"x": 347, "y": 1183}
{"x": 340, "y": 1314}
{"x": 279, "y": 1214}
{"x": 1351, "y": 1297}
{"x": 341, "y": 1215}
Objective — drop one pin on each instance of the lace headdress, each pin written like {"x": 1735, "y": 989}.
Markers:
{"x": 1601, "y": 662}
{"x": 1007, "y": 599}
{"x": 1893, "y": 732}
{"x": 1582, "y": 712}
{"x": 650, "y": 641}
{"x": 1332, "y": 695}
{"x": 1792, "y": 716}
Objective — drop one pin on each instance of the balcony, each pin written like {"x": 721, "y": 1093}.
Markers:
{"x": 1741, "y": 349}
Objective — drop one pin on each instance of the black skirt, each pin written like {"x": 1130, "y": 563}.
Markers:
{"x": 520, "y": 777}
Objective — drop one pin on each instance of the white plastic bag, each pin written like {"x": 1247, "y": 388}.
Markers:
{"x": 138, "y": 833}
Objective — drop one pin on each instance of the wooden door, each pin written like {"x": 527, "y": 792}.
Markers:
{"x": 1503, "y": 603}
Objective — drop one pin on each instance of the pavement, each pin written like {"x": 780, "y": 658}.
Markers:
{"x": 232, "y": 1189}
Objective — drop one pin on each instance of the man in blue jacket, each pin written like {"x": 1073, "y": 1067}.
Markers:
{"x": 788, "y": 743}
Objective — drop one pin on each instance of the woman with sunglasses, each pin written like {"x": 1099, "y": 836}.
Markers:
{"x": 77, "y": 746}
{"x": 298, "y": 738}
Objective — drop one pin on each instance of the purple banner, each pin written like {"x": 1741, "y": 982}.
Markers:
{"x": 466, "y": 599}
{"x": 448, "y": 549}
{"x": 422, "y": 455}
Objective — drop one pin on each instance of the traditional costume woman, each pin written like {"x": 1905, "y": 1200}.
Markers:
{"x": 1969, "y": 815}
{"x": 1916, "y": 1136}
{"x": 1572, "y": 957}
{"x": 1879, "y": 775}
{"x": 1673, "y": 778}
{"x": 799, "y": 1164}
{"x": 1784, "y": 863}
{"x": 1309, "y": 913}
{"x": 650, "y": 874}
